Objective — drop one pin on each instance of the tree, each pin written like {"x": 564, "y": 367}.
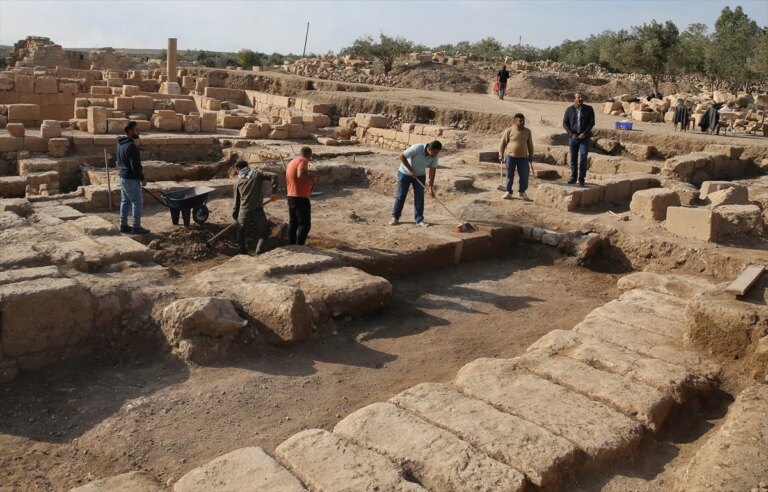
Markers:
{"x": 693, "y": 51}
{"x": 647, "y": 50}
{"x": 758, "y": 62}
{"x": 248, "y": 59}
{"x": 488, "y": 48}
{"x": 733, "y": 44}
{"x": 386, "y": 50}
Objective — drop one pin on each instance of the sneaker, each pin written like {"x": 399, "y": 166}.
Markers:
{"x": 393, "y": 221}
{"x": 125, "y": 228}
{"x": 523, "y": 195}
{"x": 572, "y": 181}
{"x": 422, "y": 224}
{"x": 139, "y": 230}
{"x": 581, "y": 184}
{"x": 507, "y": 196}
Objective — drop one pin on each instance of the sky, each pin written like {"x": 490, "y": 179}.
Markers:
{"x": 279, "y": 26}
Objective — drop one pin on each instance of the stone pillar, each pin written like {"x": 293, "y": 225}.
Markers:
{"x": 171, "y": 60}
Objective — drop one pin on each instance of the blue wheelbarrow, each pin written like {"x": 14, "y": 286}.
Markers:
{"x": 187, "y": 202}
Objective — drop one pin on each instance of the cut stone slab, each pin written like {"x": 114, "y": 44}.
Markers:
{"x": 249, "y": 469}
{"x": 325, "y": 462}
{"x": 708, "y": 187}
{"x": 653, "y": 203}
{"x": 738, "y": 220}
{"x": 630, "y": 313}
{"x": 62, "y": 212}
{"x": 95, "y": 226}
{"x": 437, "y": 458}
{"x": 127, "y": 482}
{"x": 672, "y": 379}
{"x": 123, "y": 248}
{"x": 20, "y": 206}
{"x": 602, "y": 433}
{"x": 682, "y": 286}
{"x": 735, "y": 458}
{"x": 661, "y": 305}
{"x": 744, "y": 281}
{"x": 566, "y": 197}
{"x": 647, "y": 343}
{"x": 735, "y": 195}
{"x": 632, "y": 398}
{"x": 544, "y": 458}
{"x": 295, "y": 259}
{"x": 24, "y": 274}
{"x": 693, "y": 223}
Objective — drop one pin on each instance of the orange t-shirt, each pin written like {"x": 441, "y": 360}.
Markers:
{"x": 296, "y": 186}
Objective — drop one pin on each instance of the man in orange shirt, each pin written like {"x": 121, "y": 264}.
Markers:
{"x": 299, "y": 183}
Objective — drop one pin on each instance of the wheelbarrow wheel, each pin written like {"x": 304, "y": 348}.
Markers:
{"x": 200, "y": 214}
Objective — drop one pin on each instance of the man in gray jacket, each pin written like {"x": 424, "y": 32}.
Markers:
{"x": 249, "y": 204}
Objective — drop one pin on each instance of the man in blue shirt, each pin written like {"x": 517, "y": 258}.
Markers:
{"x": 414, "y": 162}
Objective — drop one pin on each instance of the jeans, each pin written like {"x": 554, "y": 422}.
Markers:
{"x": 502, "y": 89}
{"x": 299, "y": 219}
{"x": 582, "y": 148}
{"x": 404, "y": 182}
{"x": 130, "y": 193}
{"x": 259, "y": 219}
{"x": 523, "y": 169}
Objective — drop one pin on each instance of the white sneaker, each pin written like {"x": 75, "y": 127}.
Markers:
{"x": 507, "y": 196}
{"x": 523, "y": 195}
{"x": 422, "y": 224}
{"x": 394, "y": 221}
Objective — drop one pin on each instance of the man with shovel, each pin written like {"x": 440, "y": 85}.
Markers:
{"x": 249, "y": 204}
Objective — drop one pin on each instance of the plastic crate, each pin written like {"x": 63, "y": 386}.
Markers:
{"x": 623, "y": 125}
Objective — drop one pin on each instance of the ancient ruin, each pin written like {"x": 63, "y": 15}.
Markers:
{"x": 611, "y": 336}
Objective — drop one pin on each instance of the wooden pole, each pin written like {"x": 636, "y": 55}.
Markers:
{"x": 305, "y": 41}
{"x": 109, "y": 185}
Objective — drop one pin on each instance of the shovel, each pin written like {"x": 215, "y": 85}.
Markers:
{"x": 210, "y": 242}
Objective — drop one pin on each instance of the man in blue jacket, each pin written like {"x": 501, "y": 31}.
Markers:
{"x": 578, "y": 121}
{"x": 131, "y": 179}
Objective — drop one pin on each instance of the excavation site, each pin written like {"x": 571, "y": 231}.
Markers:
{"x": 601, "y": 332}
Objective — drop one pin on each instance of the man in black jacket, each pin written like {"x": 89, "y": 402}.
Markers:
{"x": 131, "y": 179}
{"x": 578, "y": 121}
{"x": 249, "y": 204}
{"x": 502, "y": 78}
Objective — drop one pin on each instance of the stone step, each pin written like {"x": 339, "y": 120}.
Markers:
{"x": 629, "y": 313}
{"x": 250, "y": 469}
{"x": 671, "y": 379}
{"x": 663, "y": 305}
{"x": 684, "y": 286}
{"x": 735, "y": 458}
{"x": 647, "y": 343}
{"x": 544, "y": 458}
{"x": 637, "y": 400}
{"x": 601, "y": 432}
{"x": 325, "y": 462}
{"x": 437, "y": 458}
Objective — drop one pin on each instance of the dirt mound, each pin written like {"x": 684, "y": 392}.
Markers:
{"x": 439, "y": 77}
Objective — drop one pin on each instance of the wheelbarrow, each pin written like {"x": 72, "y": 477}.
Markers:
{"x": 183, "y": 202}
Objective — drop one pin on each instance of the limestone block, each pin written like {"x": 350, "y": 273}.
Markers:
{"x": 211, "y": 104}
{"x": 640, "y": 152}
{"x": 278, "y": 134}
{"x": 81, "y": 113}
{"x": 737, "y": 220}
{"x": 131, "y": 90}
{"x": 325, "y": 461}
{"x": 184, "y": 106}
{"x": 11, "y": 144}
{"x": 208, "y": 122}
{"x": 116, "y": 126}
{"x": 437, "y": 458}
{"x": 616, "y": 189}
{"x": 94, "y": 226}
{"x": 115, "y": 82}
{"x": 565, "y": 197}
{"x": 58, "y": 147}
{"x": 143, "y": 103}
{"x": 23, "y": 113}
{"x": 653, "y": 203}
{"x": 15, "y": 129}
{"x": 50, "y": 129}
{"x": 97, "y": 119}
{"x": 200, "y": 84}
{"x": 167, "y": 124}
{"x": 191, "y": 123}
{"x": 232, "y": 121}
{"x": 143, "y": 125}
{"x": 100, "y": 90}
{"x": 123, "y": 103}
{"x": 694, "y": 223}
{"x": 730, "y": 151}
{"x": 201, "y": 329}
{"x": 12, "y": 187}
{"x": 24, "y": 83}
{"x": 249, "y": 469}
{"x": 135, "y": 481}
{"x": 683, "y": 286}
{"x": 46, "y": 85}
{"x": 708, "y": 187}
{"x": 165, "y": 113}
{"x": 371, "y": 120}
{"x": 53, "y": 330}
{"x": 252, "y": 130}
{"x": 610, "y": 107}
{"x": 321, "y": 120}
{"x": 736, "y": 195}
{"x": 648, "y": 116}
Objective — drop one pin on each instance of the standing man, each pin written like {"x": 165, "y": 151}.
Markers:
{"x": 414, "y": 162}
{"x": 578, "y": 121}
{"x": 517, "y": 145}
{"x": 502, "y": 78}
{"x": 249, "y": 204}
{"x": 131, "y": 177}
{"x": 299, "y": 183}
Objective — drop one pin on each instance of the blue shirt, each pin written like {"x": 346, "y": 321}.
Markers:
{"x": 418, "y": 160}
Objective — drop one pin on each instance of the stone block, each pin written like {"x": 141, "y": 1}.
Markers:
{"x": 278, "y": 134}
{"x": 200, "y": 84}
{"x": 11, "y": 144}
{"x": 708, "y": 187}
{"x": 24, "y": 84}
{"x": 97, "y": 119}
{"x": 244, "y": 469}
{"x": 123, "y": 103}
{"x": 684, "y": 168}
{"x": 131, "y": 90}
{"x": 81, "y": 113}
{"x": 653, "y": 203}
{"x": 20, "y": 206}
{"x": 321, "y": 120}
{"x": 167, "y": 124}
{"x": 437, "y": 458}
{"x": 610, "y": 107}
{"x": 647, "y": 116}
{"x": 94, "y": 226}
{"x": 184, "y": 106}
{"x": 15, "y": 129}
{"x": 208, "y": 122}
{"x": 371, "y": 120}
{"x": 50, "y": 129}
{"x": 730, "y": 151}
{"x": 116, "y": 126}
{"x": 46, "y": 85}
{"x": 735, "y": 221}
{"x": 144, "y": 126}
{"x": 232, "y": 121}
{"x": 191, "y": 123}
{"x": 694, "y": 223}
{"x": 143, "y": 103}
{"x": 100, "y": 90}
{"x": 736, "y": 195}
{"x": 639, "y": 152}
{"x": 211, "y": 104}
{"x": 58, "y": 147}
{"x": 24, "y": 113}
{"x": 12, "y": 187}
{"x": 616, "y": 190}
{"x": 557, "y": 196}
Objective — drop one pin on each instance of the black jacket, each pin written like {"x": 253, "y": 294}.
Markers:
{"x": 128, "y": 159}
{"x": 587, "y": 120}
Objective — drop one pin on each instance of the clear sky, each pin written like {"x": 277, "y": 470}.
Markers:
{"x": 268, "y": 26}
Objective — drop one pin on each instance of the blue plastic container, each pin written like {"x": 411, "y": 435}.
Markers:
{"x": 623, "y": 125}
